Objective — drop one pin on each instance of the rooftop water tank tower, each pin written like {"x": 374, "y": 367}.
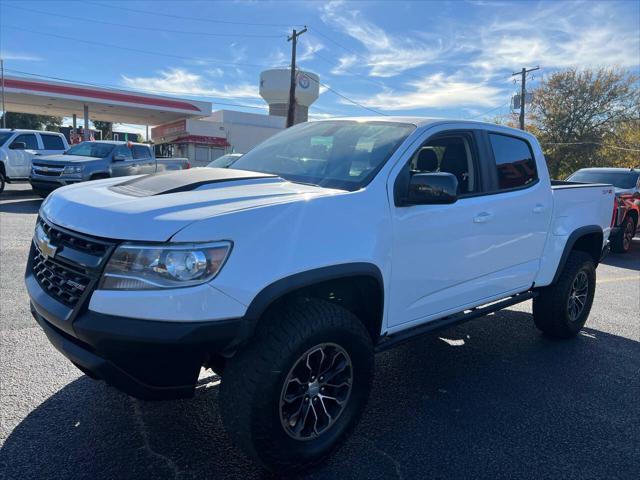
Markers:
{"x": 274, "y": 88}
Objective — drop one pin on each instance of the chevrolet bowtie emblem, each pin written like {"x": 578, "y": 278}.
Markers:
{"x": 45, "y": 247}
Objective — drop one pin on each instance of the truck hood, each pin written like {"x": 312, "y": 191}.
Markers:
{"x": 155, "y": 207}
{"x": 60, "y": 158}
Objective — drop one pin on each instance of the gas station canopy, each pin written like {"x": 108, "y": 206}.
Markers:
{"x": 110, "y": 105}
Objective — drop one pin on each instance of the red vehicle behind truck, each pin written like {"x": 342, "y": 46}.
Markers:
{"x": 627, "y": 207}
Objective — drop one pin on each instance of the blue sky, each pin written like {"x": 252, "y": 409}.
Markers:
{"x": 446, "y": 59}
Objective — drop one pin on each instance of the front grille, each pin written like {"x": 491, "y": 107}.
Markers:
{"x": 86, "y": 244}
{"x": 49, "y": 173}
{"x": 46, "y": 170}
{"x": 61, "y": 282}
{"x": 74, "y": 268}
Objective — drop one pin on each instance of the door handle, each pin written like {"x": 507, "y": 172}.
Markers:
{"x": 539, "y": 208}
{"x": 483, "y": 217}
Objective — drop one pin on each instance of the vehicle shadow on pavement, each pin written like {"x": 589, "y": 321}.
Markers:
{"x": 29, "y": 205}
{"x": 629, "y": 260}
{"x": 488, "y": 399}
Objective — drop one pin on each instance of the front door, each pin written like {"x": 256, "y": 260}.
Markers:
{"x": 20, "y": 159}
{"x": 447, "y": 258}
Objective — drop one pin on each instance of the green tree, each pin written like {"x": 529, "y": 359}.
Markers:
{"x": 32, "y": 122}
{"x": 584, "y": 117}
{"x": 105, "y": 127}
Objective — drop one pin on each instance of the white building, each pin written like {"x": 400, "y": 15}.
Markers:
{"x": 225, "y": 131}
{"x": 205, "y": 139}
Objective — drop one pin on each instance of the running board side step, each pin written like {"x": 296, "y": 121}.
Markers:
{"x": 390, "y": 341}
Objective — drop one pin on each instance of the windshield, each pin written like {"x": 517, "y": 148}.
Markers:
{"x": 340, "y": 154}
{"x": 623, "y": 180}
{"x": 4, "y": 136}
{"x": 223, "y": 161}
{"x": 91, "y": 149}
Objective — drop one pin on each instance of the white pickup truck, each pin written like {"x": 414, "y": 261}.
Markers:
{"x": 327, "y": 243}
{"x": 18, "y": 147}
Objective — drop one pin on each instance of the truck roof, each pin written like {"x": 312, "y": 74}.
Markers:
{"x": 608, "y": 169}
{"x": 421, "y": 121}
{"x": 25, "y": 130}
{"x": 117, "y": 142}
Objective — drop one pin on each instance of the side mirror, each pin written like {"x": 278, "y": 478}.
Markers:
{"x": 18, "y": 146}
{"x": 119, "y": 158}
{"x": 432, "y": 189}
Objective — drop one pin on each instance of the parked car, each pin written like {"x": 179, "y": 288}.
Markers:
{"x": 18, "y": 147}
{"x": 627, "y": 212}
{"x": 288, "y": 272}
{"x": 225, "y": 161}
{"x": 95, "y": 160}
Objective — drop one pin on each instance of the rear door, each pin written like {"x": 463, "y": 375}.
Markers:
{"x": 51, "y": 144}
{"x": 146, "y": 161}
{"x": 448, "y": 258}
{"x": 20, "y": 159}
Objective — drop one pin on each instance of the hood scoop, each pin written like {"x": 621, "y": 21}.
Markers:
{"x": 182, "y": 181}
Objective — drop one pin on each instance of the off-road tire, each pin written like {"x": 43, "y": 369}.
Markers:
{"x": 621, "y": 243}
{"x": 253, "y": 379}
{"x": 550, "y": 308}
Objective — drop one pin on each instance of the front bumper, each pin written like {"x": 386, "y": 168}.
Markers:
{"x": 48, "y": 184}
{"x": 147, "y": 359}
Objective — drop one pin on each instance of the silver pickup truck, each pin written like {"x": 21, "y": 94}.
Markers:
{"x": 95, "y": 160}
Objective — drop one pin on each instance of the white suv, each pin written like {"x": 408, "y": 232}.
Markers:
{"x": 18, "y": 147}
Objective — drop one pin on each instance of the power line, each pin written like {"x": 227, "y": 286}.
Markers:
{"x": 143, "y": 27}
{"x": 348, "y": 99}
{"x": 137, "y": 50}
{"x": 593, "y": 143}
{"x": 488, "y": 111}
{"x": 198, "y": 19}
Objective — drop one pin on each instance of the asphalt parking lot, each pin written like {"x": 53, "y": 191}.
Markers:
{"x": 488, "y": 399}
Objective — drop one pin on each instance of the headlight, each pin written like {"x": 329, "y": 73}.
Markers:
{"x": 72, "y": 169}
{"x": 144, "y": 267}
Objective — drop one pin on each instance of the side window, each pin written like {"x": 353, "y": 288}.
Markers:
{"x": 453, "y": 154}
{"x": 514, "y": 161}
{"x": 124, "y": 151}
{"x": 140, "y": 151}
{"x": 52, "y": 142}
{"x": 29, "y": 140}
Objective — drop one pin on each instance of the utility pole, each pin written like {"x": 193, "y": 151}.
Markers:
{"x": 292, "y": 87}
{"x": 523, "y": 91}
{"x": 4, "y": 111}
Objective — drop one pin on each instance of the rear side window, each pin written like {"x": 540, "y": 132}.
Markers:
{"x": 514, "y": 161}
{"x": 52, "y": 142}
{"x": 29, "y": 139}
{"x": 124, "y": 151}
{"x": 140, "y": 151}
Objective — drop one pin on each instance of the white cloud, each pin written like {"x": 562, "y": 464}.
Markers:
{"x": 345, "y": 63}
{"x": 436, "y": 91}
{"x": 503, "y": 37}
{"x": 182, "y": 82}
{"x": 559, "y": 36}
{"x": 386, "y": 55}
{"x": 309, "y": 49}
{"x": 22, "y": 57}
